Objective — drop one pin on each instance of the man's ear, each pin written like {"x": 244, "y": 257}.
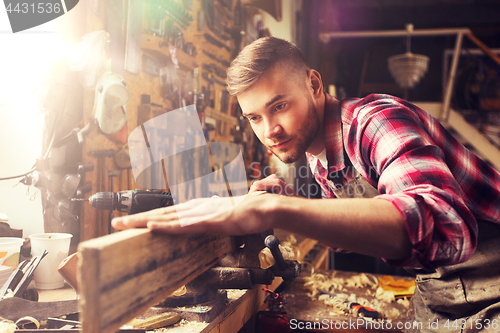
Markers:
{"x": 316, "y": 84}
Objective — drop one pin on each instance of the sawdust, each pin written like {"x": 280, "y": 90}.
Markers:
{"x": 186, "y": 326}
{"x": 235, "y": 294}
{"x": 7, "y": 326}
{"x": 336, "y": 293}
{"x": 183, "y": 326}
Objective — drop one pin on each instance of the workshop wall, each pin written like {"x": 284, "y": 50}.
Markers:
{"x": 175, "y": 53}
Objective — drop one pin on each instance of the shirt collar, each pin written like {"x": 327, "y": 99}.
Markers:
{"x": 312, "y": 160}
{"x": 334, "y": 144}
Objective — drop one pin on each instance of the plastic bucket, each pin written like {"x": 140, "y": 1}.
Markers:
{"x": 10, "y": 247}
{"x": 57, "y": 245}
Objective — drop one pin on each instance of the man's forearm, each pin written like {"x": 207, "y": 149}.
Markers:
{"x": 369, "y": 226}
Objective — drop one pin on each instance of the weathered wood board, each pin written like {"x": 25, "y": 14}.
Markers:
{"x": 123, "y": 274}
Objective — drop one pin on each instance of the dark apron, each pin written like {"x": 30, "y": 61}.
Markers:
{"x": 463, "y": 297}
{"x": 457, "y": 298}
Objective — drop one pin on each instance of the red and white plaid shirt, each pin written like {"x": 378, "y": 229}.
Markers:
{"x": 439, "y": 186}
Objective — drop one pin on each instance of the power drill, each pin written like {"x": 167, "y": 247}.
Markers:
{"x": 131, "y": 201}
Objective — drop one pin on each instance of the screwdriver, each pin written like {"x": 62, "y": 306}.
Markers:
{"x": 366, "y": 311}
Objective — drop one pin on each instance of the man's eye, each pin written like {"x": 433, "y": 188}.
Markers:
{"x": 279, "y": 107}
{"x": 253, "y": 119}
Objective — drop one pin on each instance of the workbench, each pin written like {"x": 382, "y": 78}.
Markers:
{"x": 299, "y": 305}
{"x": 242, "y": 305}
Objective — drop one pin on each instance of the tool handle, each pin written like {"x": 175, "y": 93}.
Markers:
{"x": 145, "y": 200}
{"x": 367, "y": 312}
{"x": 273, "y": 243}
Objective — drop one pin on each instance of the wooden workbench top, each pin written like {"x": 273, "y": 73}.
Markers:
{"x": 301, "y": 307}
{"x": 62, "y": 294}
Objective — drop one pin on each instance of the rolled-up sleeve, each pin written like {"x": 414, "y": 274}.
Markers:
{"x": 393, "y": 146}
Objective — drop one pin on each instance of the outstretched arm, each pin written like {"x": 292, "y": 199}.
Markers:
{"x": 368, "y": 226}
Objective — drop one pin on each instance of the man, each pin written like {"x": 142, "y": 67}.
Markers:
{"x": 405, "y": 189}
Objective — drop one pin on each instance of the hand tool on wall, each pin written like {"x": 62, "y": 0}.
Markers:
{"x": 112, "y": 174}
{"x": 76, "y": 134}
{"x": 213, "y": 68}
{"x": 210, "y": 77}
{"x": 215, "y": 41}
{"x": 101, "y": 156}
{"x": 133, "y": 37}
{"x": 214, "y": 57}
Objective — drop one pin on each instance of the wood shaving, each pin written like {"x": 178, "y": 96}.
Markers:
{"x": 267, "y": 260}
{"x": 384, "y": 295}
{"x": 291, "y": 242}
{"x": 21, "y": 322}
{"x": 7, "y": 326}
{"x": 333, "y": 291}
{"x": 235, "y": 294}
{"x": 179, "y": 292}
{"x": 183, "y": 326}
{"x": 362, "y": 281}
{"x": 404, "y": 302}
{"x": 9, "y": 294}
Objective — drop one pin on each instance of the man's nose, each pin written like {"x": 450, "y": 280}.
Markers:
{"x": 272, "y": 129}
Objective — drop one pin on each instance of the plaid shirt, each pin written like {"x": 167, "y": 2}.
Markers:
{"x": 440, "y": 187}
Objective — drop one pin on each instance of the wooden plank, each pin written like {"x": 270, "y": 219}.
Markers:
{"x": 321, "y": 260}
{"x": 235, "y": 316}
{"x": 305, "y": 247}
{"x": 123, "y": 274}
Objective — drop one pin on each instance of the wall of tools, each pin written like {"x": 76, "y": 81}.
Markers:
{"x": 168, "y": 54}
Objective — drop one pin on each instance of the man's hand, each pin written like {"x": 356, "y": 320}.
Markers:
{"x": 223, "y": 216}
{"x": 272, "y": 184}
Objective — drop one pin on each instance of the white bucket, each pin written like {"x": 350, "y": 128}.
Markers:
{"x": 46, "y": 275}
{"x": 10, "y": 248}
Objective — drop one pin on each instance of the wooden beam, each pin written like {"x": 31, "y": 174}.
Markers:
{"x": 123, "y": 274}
{"x": 483, "y": 47}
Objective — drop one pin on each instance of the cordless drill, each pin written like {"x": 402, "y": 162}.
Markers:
{"x": 131, "y": 201}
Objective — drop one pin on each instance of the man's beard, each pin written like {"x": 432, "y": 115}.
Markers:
{"x": 305, "y": 136}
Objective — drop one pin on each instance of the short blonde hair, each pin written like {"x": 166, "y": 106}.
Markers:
{"x": 259, "y": 57}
